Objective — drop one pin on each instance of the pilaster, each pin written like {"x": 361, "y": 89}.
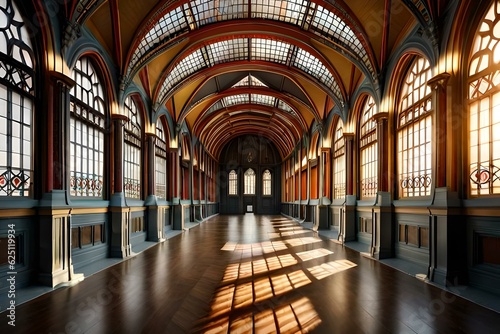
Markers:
{"x": 55, "y": 263}
{"x": 120, "y": 212}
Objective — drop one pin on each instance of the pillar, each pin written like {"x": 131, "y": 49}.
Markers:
{"x": 323, "y": 211}
{"x": 347, "y": 228}
{"x": 120, "y": 212}
{"x": 155, "y": 216}
{"x": 448, "y": 230}
{"x": 177, "y": 210}
{"x": 55, "y": 263}
{"x": 382, "y": 243}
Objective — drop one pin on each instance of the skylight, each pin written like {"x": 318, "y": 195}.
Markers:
{"x": 259, "y": 99}
{"x": 261, "y": 49}
{"x": 250, "y": 81}
{"x": 307, "y": 15}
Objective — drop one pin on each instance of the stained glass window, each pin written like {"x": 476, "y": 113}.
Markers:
{"x": 415, "y": 132}
{"x": 266, "y": 183}
{"x": 87, "y": 131}
{"x": 249, "y": 181}
{"x": 484, "y": 107}
{"x": 233, "y": 183}
{"x": 368, "y": 150}
{"x": 339, "y": 177}
{"x": 161, "y": 161}
{"x": 132, "y": 150}
{"x": 16, "y": 104}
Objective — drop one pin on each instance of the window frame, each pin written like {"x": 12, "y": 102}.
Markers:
{"x": 249, "y": 182}
{"x": 132, "y": 150}
{"x": 18, "y": 84}
{"x": 415, "y": 113}
{"x": 267, "y": 183}
{"x": 92, "y": 117}
{"x": 231, "y": 180}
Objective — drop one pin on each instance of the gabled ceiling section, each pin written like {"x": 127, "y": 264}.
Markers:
{"x": 305, "y": 56}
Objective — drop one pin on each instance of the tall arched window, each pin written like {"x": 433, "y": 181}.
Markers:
{"x": 233, "y": 183}
{"x": 16, "y": 104}
{"x": 339, "y": 176}
{"x": 414, "y": 127}
{"x": 484, "y": 107}
{"x": 161, "y": 161}
{"x": 132, "y": 150}
{"x": 249, "y": 182}
{"x": 87, "y": 127}
{"x": 266, "y": 183}
{"x": 368, "y": 150}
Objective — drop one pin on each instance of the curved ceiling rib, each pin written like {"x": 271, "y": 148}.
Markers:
{"x": 248, "y": 49}
{"x": 302, "y": 58}
{"x": 252, "y": 96}
{"x": 330, "y": 22}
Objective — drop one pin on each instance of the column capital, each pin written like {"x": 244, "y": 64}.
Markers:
{"x": 381, "y": 116}
{"x": 439, "y": 81}
{"x": 348, "y": 135}
{"x": 62, "y": 79}
{"x": 119, "y": 117}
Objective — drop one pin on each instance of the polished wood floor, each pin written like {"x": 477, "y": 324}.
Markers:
{"x": 250, "y": 274}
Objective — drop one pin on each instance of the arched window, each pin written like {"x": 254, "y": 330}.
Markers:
{"x": 233, "y": 183}
{"x": 132, "y": 150}
{"x": 266, "y": 183}
{"x": 16, "y": 104}
{"x": 87, "y": 127}
{"x": 161, "y": 161}
{"x": 339, "y": 177}
{"x": 484, "y": 107}
{"x": 368, "y": 150}
{"x": 249, "y": 181}
{"x": 414, "y": 131}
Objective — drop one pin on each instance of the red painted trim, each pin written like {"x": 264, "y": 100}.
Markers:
{"x": 117, "y": 40}
{"x": 385, "y": 33}
{"x": 144, "y": 77}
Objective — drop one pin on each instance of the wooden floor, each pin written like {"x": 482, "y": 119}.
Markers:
{"x": 250, "y": 274}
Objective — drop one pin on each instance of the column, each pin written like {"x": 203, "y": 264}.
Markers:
{"x": 448, "y": 230}
{"x": 155, "y": 217}
{"x": 323, "y": 212}
{"x": 177, "y": 210}
{"x": 120, "y": 212}
{"x": 382, "y": 224}
{"x": 56, "y": 265}
{"x": 348, "y": 224}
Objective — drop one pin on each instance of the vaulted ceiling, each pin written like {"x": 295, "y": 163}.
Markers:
{"x": 233, "y": 67}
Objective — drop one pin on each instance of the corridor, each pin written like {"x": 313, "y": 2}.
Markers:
{"x": 250, "y": 274}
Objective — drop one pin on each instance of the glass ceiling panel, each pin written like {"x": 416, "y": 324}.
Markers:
{"x": 266, "y": 100}
{"x": 285, "y": 106}
{"x": 250, "y": 81}
{"x": 270, "y": 50}
{"x": 312, "y": 66}
{"x": 236, "y": 99}
{"x": 262, "y": 49}
{"x": 187, "y": 66}
{"x": 209, "y": 11}
{"x": 330, "y": 25}
{"x": 168, "y": 26}
{"x": 305, "y": 14}
{"x": 285, "y": 11}
{"x": 229, "y": 50}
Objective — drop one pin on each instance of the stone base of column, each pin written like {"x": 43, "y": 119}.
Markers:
{"x": 382, "y": 229}
{"x": 55, "y": 264}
